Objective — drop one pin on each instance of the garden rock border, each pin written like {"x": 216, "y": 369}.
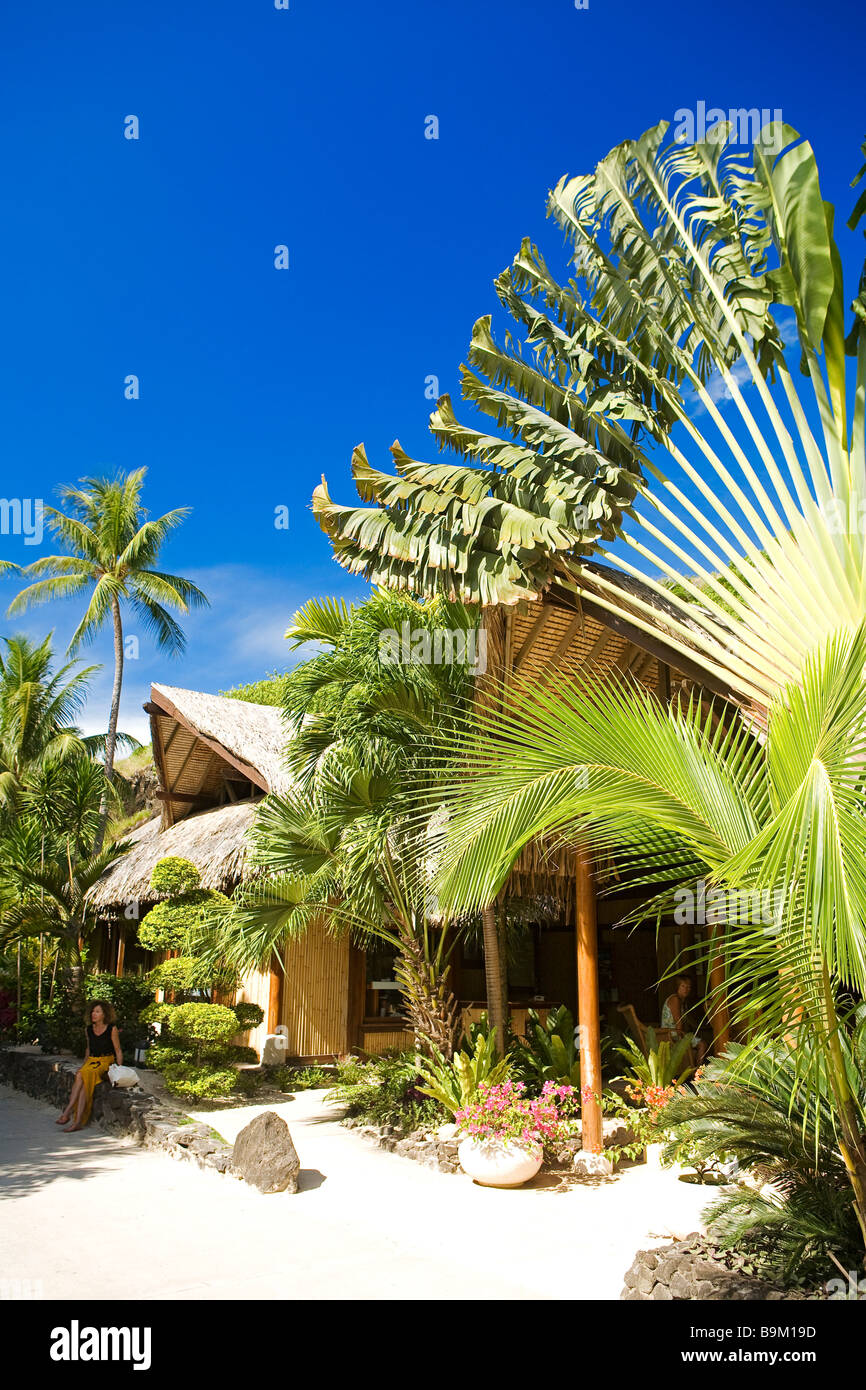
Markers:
{"x": 423, "y": 1145}
{"x": 692, "y": 1269}
{"x": 152, "y": 1123}
{"x": 433, "y": 1150}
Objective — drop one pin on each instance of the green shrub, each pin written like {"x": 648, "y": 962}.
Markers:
{"x": 199, "y": 1082}
{"x": 174, "y": 876}
{"x": 168, "y": 924}
{"x": 202, "y": 1025}
{"x": 59, "y": 1026}
{"x": 385, "y": 1091}
{"x": 300, "y": 1078}
{"x": 248, "y": 1083}
{"x": 549, "y": 1052}
{"x": 180, "y": 975}
{"x": 162, "y": 1055}
{"x": 156, "y": 1013}
{"x": 751, "y": 1105}
{"x": 662, "y": 1064}
{"x": 248, "y": 1016}
{"x": 56, "y": 1027}
{"x": 454, "y": 1084}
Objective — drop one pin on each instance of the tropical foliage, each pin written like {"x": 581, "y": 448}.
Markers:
{"x": 385, "y": 1091}
{"x": 656, "y": 380}
{"x": 550, "y": 1052}
{"x": 51, "y": 798}
{"x": 663, "y": 1064}
{"x": 455, "y": 1081}
{"x": 684, "y": 798}
{"x": 800, "y": 1212}
{"x": 340, "y": 849}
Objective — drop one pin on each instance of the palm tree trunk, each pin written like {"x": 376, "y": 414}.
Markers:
{"x": 495, "y": 976}
{"x": 432, "y": 1008}
{"x": 111, "y": 737}
{"x": 76, "y": 974}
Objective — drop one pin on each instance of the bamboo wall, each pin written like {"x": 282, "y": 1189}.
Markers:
{"x": 315, "y": 1008}
{"x": 255, "y": 988}
{"x": 376, "y": 1041}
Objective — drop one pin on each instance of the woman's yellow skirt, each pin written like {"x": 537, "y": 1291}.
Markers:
{"x": 92, "y": 1072}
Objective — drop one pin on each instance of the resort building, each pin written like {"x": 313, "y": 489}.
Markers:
{"x": 217, "y": 757}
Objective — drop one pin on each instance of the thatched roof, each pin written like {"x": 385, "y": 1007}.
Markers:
{"x": 215, "y": 841}
{"x": 254, "y": 735}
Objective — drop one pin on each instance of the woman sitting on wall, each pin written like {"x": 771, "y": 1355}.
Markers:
{"x": 103, "y": 1048}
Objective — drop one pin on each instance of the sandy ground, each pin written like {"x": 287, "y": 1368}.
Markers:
{"x": 77, "y": 1209}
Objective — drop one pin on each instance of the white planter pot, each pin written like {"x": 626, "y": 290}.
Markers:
{"x": 493, "y": 1163}
{"x": 654, "y": 1156}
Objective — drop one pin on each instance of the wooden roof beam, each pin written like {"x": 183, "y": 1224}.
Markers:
{"x": 163, "y": 705}
{"x": 533, "y": 635}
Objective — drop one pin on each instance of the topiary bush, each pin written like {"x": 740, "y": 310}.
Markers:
{"x": 163, "y": 1055}
{"x": 179, "y": 975}
{"x": 199, "y": 1082}
{"x": 168, "y": 925}
{"x": 195, "y": 1042}
{"x": 173, "y": 877}
{"x": 248, "y": 1016}
{"x": 204, "y": 1027}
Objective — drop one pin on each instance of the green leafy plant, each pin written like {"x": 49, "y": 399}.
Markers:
{"x": 199, "y": 1081}
{"x": 300, "y": 1078}
{"x": 248, "y": 1015}
{"x": 168, "y": 925}
{"x": 755, "y": 1106}
{"x": 661, "y": 1064}
{"x": 204, "y": 1027}
{"x": 174, "y": 876}
{"x": 385, "y": 1091}
{"x": 549, "y": 1052}
{"x": 179, "y": 975}
{"x": 454, "y": 1084}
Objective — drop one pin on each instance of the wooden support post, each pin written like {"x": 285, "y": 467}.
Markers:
{"x": 274, "y": 1015}
{"x": 121, "y": 951}
{"x": 588, "y": 1002}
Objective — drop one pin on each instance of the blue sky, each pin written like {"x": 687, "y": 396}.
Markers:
{"x": 305, "y": 127}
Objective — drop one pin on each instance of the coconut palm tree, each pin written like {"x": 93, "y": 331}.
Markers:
{"x": 775, "y": 824}
{"x": 111, "y": 550}
{"x": 38, "y": 708}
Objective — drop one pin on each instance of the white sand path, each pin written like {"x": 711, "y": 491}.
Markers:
{"x": 365, "y": 1224}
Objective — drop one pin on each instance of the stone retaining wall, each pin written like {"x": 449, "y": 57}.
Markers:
{"x": 129, "y": 1111}
{"x": 439, "y": 1150}
{"x": 694, "y": 1269}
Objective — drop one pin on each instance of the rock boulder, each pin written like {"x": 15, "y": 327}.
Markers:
{"x": 264, "y": 1155}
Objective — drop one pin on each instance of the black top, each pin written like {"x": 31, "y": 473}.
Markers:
{"x": 100, "y": 1046}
